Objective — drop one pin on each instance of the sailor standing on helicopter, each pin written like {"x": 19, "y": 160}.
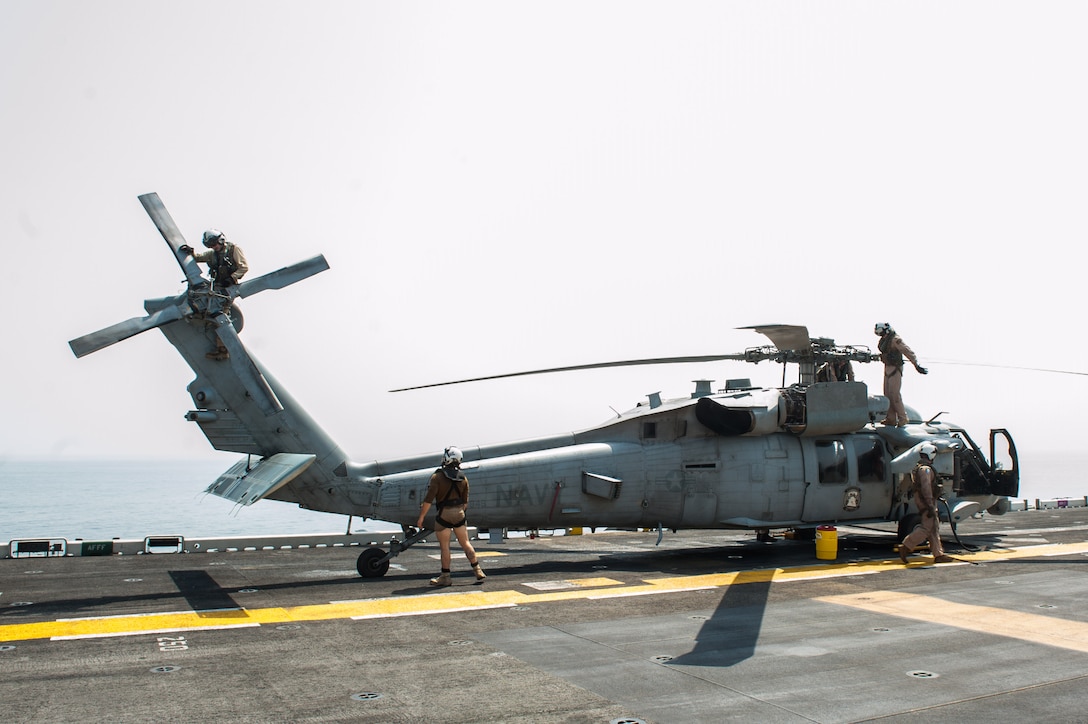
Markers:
{"x": 924, "y": 485}
{"x": 226, "y": 265}
{"x": 892, "y": 351}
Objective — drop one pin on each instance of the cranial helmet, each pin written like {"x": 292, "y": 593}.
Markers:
{"x": 928, "y": 449}
{"x": 213, "y": 237}
{"x": 883, "y": 328}
{"x": 451, "y": 457}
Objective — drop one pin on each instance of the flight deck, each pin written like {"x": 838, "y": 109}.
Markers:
{"x": 705, "y": 626}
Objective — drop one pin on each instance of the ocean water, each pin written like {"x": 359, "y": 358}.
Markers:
{"x": 134, "y": 499}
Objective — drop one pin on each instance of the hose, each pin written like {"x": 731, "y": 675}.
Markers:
{"x": 956, "y": 535}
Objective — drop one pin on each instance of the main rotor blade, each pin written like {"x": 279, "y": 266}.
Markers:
{"x": 83, "y": 346}
{"x": 255, "y": 383}
{"x": 169, "y": 230}
{"x": 792, "y": 337}
{"x": 1008, "y": 367}
{"x": 283, "y": 277}
{"x": 594, "y": 366}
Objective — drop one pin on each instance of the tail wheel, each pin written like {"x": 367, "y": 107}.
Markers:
{"x": 370, "y": 563}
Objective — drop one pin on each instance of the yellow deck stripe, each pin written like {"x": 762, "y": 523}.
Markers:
{"x": 445, "y": 602}
{"x": 1030, "y": 627}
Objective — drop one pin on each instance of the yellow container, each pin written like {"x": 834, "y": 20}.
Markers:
{"x": 827, "y": 543}
{"x": 577, "y": 530}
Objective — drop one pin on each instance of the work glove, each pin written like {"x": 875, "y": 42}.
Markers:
{"x": 185, "y": 249}
{"x": 921, "y": 370}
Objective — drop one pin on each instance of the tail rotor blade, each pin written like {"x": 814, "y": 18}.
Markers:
{"x": 169, "y": 230}
{"x": 255, "y": 383}
{"x": 284, "y": 277}
{"x": 95, "y": 341}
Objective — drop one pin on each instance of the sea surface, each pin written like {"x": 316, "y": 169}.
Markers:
{"x": 135, "y": 499}
{"x": 130, "y": 499}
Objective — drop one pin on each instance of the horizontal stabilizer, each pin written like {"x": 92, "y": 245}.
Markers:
{"x": 95, "y": 341}
{"x": 284, "y": 277}
{"x": 246, "y": 485}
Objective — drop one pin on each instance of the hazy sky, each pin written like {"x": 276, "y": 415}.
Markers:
{"x": 512, "y": 185}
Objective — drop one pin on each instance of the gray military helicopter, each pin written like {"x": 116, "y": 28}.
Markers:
{"x": 741, "y": 457}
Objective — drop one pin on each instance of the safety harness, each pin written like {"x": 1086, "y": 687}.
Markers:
{"x": 224, "y": 267}
{"x": 451, "y": 502}
{"x": 890, "y": 354}
{"x": 936, "y": 486}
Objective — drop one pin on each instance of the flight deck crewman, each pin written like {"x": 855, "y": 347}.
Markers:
{"x": 226, "y": 265}
{"x": 892, "y": 351}
{"x": 448, "y": 489}
{"x": 923, "y": 479}
{"x": 835, "y": 370}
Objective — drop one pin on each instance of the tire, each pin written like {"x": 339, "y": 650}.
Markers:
{"x": 370, "y": 563}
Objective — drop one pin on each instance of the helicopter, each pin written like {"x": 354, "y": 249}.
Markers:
{"x": 742, "y": 457}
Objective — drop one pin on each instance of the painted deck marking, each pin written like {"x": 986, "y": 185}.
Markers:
{"x": 1030, "y": 627}
{"x": 446, "y": 602}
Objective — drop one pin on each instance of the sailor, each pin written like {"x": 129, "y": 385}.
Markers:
{"x": 924, "y": 486}
{"x": 892, "y": 351}
{"x": 449, "y": 487}
{"x": 226, "y": 266}
{"x": 835, "y": 370}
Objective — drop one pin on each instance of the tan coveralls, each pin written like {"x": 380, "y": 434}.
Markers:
{"x": 208, "y": 256}
{"x": 922, "y": 478}
{"x": 892, "y": 350}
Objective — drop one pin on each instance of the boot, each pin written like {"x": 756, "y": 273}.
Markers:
{"x": 903, "y": 553}
{"x": 442, "y": 580}
{"x": 943, "y": 559}
{"x": 480, "y": 575}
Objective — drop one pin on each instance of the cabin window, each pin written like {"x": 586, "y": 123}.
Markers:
{"x": 831, "y": 458}
{"x": 870, "y": 461}
{"x": 649, "y": 430}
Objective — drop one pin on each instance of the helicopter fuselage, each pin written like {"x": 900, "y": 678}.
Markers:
{"x": 664, "y": 467}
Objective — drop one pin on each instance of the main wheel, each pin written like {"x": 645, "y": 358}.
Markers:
{"x": 370, "y": 563}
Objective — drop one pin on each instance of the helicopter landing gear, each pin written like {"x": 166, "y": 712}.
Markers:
{"x": 374, "y": 562}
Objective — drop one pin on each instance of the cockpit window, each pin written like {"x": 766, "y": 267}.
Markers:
{"x": 831, "y": 458}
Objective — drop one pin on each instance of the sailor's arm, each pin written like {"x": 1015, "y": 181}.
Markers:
{"x": 240, "y": 265}
{"x": 909, "y": 354}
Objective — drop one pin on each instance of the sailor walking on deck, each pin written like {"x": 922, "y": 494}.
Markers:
{"x": 449, "y": 487}
{"x": 924, "y": 486}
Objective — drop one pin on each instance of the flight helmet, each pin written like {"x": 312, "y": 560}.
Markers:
{"x": 213, "y": 237}
{"x": 452, "y": 457}
{"x": 883, "y": 328}
{"x": 928, "y": 449}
